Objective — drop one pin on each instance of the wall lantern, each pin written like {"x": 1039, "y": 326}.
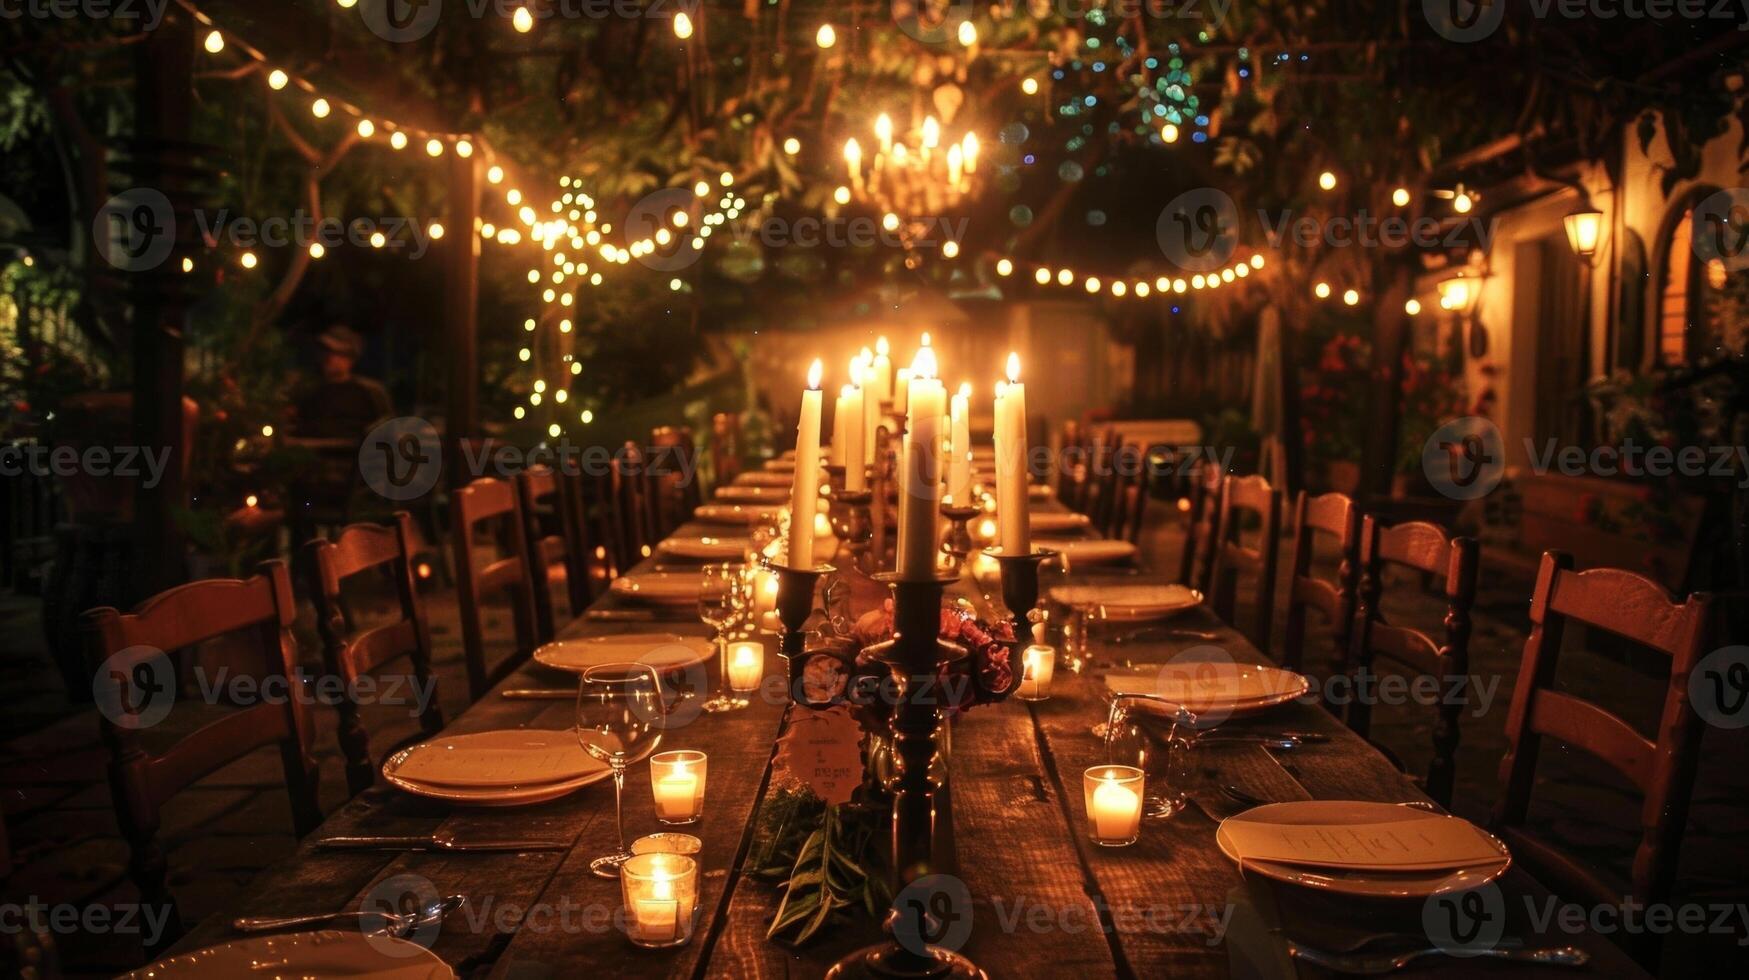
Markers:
{"x": 1459, "y": 293}
{"x": 1584, "y": 231}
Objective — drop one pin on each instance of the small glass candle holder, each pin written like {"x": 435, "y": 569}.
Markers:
{"x": 745, "y": 665}
{"x": 661, "y": 898}
{"x": 1037, "y": 663}
{"x": 668, "y": 842}
{"x": 677, "y": 780}
{"x": 1114, "y": 804}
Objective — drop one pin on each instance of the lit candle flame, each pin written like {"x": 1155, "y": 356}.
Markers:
{"x": 925, "y": 341}
{"x": 1013, "y": 368}
{"x": 855, "y": 373}
{"x": 852, "y": 152}
{"x": 931, "y": 133}
{"x": 881, "y": 346}
{"x": 847, "y": 390}
{"x": 965, "y": 389}
{"x": 884, "y": 128}
{"x": 814, "y": 375}
{"x": 923, "y": 365}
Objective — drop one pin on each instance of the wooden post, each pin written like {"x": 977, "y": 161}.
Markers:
{"x": 461, "y": 294}
{"x": 164, "y": 79}
{"x": 1385, "y": 402}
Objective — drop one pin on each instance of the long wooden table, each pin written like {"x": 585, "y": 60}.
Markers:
{"x": 1044, "y": 900}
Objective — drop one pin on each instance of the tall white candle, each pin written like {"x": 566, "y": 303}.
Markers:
{"x": 805, "y": 488}
{"x": 836, "y": 456}
{"x": 871, "y": 403}
{"x": 1011, "y": 479}
{"x": 902, "y": 392}
{"x": 959, "y": 465}
{"x": 920, "y": 489}
{"x": 850, "y": 403}
{"x": 881, "y": 380}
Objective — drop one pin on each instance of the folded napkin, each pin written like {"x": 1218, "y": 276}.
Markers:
{"x": 1421, "y": 844}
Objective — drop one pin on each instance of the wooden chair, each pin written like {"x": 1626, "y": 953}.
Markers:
{"x": 1663, "y": 767}
{"x": 634, "y": 516}
{"x": 674, "y": 476}
{"x": 492, "y": 503}
{"x": 1336, "y": 515}
{"x": 552, "y": 553}
{"x": 1132, "y": 496}
{"x": 725, "y": 448}
{"x": 1424, "y": 548}
{"x": 349, "y": 654}
{"x": 1196, "y": 564}
{"x": 1241, "y": 496}
{"x": 129, "y": 647}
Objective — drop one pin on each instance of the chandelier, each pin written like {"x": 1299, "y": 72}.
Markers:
{"x": 915, "y": 176}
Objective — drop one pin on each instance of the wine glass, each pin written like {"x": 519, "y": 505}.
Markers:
{"x": 721, "y": 596}
{"x": 1169, "y": 759}
{"x": 620, "y": 717}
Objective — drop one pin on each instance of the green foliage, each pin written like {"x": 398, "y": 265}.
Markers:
{"x": 827, "y": 858}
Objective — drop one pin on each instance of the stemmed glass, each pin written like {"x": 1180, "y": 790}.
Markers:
{"x": 620, "y": 717}
{"x": 721, "y": 597}
{"x": 1169, "y": 760}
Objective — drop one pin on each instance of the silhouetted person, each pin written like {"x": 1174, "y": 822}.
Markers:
{"x": 342, "y": 405}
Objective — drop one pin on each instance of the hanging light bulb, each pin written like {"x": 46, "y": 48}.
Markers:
{"x": 1029, "y": 86}
{"x": 841, "y": 195}
{"x": 522, "y": 20}
{"x": 398, "y": 140}
{"x": 464, "y": 149}
{"x": 792, "y": 146}
{"x": 249, "y": 260}
{"x": 1092, "y": 284}
{"x": 1257, "y": 260}
{"x": 1065, "y": 277}
{"x": 1169, "y": 133}
{"x": 1400, "y": 197}
{"x": 366, "y": 129}
{"x": 215, "y": 42}
{"x": 1042, "y": 276}
{"x": 825, "y": 37}
{"x": 1462, "y": 203}
{"x": 320, "y": 108}
{"x": 968, "y": 34}
{"x": 1412, "y": 307}
{"x": 378, "y": 239}
{"x": 495, "y": 175}
{"x": 277, "y": 79}
{"x": 1351, "y": 297}
{"x": 1327, "y": 180}
{"x": 1321, "y": 290}
{"x": 1004, "y": 267}
{"x": 950, "y": 250}
{"x": 435, "y": 231}
{"x": 317, "y": 250}
{"x": 682, "y": 25}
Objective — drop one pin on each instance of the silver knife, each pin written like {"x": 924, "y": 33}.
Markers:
{"x": 437, "y": 842}
{"x": 538, "y": 694}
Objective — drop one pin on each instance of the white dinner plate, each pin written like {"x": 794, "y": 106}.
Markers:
{"x": 764, "y": 478}
{"x": 1128, "y": 603}
{"x": 736, "y": 513}
{"x": 666, "y": 652}
{"x": 659, "y": 588}
{"x": 704, "y": 546}
{"x": 755, "y": 495}
{"x": 1365, "y": 883}
{"x": 1045, "y": 521}
{"x": 1215, "y": 689}
{"x": 500, "y": 768}
{"x": 330, "y": 953}
{"x": 1074, "y": 552}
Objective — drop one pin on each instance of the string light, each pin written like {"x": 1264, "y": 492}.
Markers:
{"x": 682, "y": 25}
{"x": 317, "y": 250}
{"x": 792, "y": 146}
{"x": 366, "y": 129}
{"x": 320, "y": 108}
{"x": 1321, "y": 290}
{"x": 1351, "y": 297}
{"x": 968, "y": 34}
{"x": 249, "y": 260}
{"x": 1412, "y": 307}
{"x": 1400, "y": 197}
{"x": 825, "y": 37}
{"x": 464, "y": 149}
{"x": 215, "y": 42}
{"x": 1004, "y": 267}
{"x": 1327, "y": 180}
{"x": 495, "y": 174}
{"x": 434, "y": 147}
{"x": 522, "y": 20}
{"x": 1029, "y": 86}
{"x": 277, "y": 79}
{"x": 398, "y": 140}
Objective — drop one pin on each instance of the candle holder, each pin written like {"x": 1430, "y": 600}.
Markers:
{"x": 915, "y": 656}
{"x": 795, "y": 603}
{"x": 958, "y": 542}
{"x": 834, "y": 477}
{"x": 1020, "y": 586}
{"x": 853, "y": 525}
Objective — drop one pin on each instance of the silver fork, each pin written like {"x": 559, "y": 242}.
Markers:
{"x": 1377, "y": 965}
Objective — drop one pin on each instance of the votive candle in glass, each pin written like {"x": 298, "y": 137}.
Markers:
{"x": 677, "y": 780}
{"x": 661, "y": 897}
{"x": 1114, "y": 804}
{"x": 745, "y": 665}
{"x": 1037, "y": 663}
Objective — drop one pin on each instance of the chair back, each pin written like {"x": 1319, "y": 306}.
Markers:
{"x": 348, "y": 653}
{"x": 550, "y": 540}
{"x": 674, "y": 467}
{"x": 1662, "y": 767}
{"x": 725, "y": 448}
{"x": 490, "y": 505}
{"x": 130, "y": 647}
{"x": 1244, "y": 498}
{"x": 1335, "y": 515}
{"x": 1196, "y": 564}
{"x": 1133, "y": 490}
{"x": 1427, "y": 549}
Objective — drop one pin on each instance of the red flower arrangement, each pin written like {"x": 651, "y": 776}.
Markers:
{"x": 985, "y": 675}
